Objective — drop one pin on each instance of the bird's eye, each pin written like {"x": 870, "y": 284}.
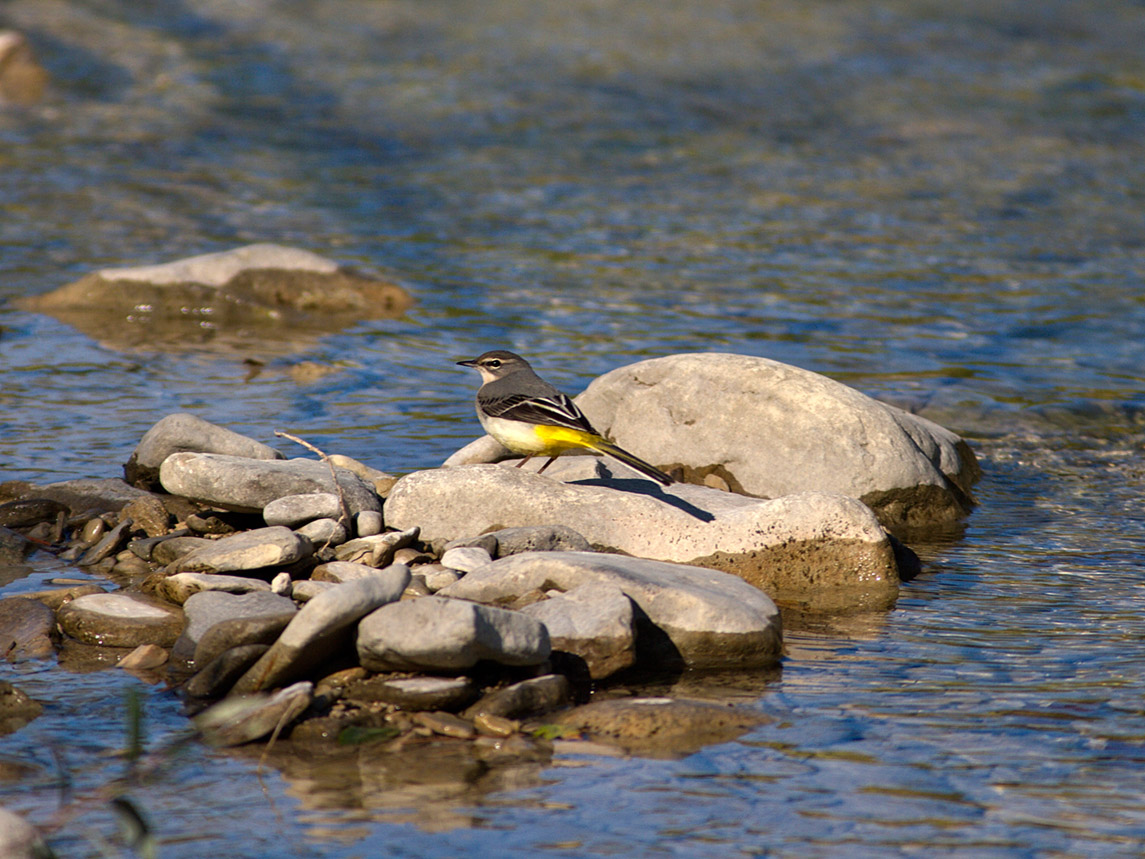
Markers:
{"x": 494, "y": 364}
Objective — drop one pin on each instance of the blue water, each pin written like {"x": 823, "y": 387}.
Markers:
{"x": 939, "y": 204}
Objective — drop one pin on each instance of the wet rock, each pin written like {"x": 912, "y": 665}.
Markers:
{"x": 661, "y": 726}
{"x": 686, "y": 616}
{"x": 14, "y": 547}
{"x": 248, "y": 485}
{"x": 185, "y": 433}
{"x": 120, "y": 620}
{"x": 27, "y": 629}
{"x": 149, "y": 514}
{"x": 323, "y": 532}
{"x": 823, "y": 550}
{"x": 340, "y": 571}
{"x": 146, "y": 657}
{"x": 108, "y": 545}
{"x": 445, "y": 725}
{"x": 251, "y": 717}
{"x": 26, "y": 512}
{"x": 205, "y": 610}
{"x": 22, "y": 78}
{"x": 782, "y": 430}
{"x": 295, "y": 510}
{"x": 377, "y": 551}
{"x": 435, "y": 634}
{"x": 415, "y": 693}
{"x": 465, "y": 558}
{"x": 217, "y": 676}
{"x": 85, "y": 494}
{"x": 181, "y": 586}
{"x": 53, "y": 598}
{"x": 536, "y": 695}
{"x": 594, "y": 622}
{"x": 323, "y": 625}
{"x": 259, "y": 295}
{"x": 251, "y": 550}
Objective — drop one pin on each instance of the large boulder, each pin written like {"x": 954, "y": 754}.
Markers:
{"x": 768, "y": 429}
{"x": 815, "y": 550}
{"x": 685, "y": 616}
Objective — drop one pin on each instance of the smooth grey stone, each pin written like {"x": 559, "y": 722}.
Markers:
{"x": 321, "y": 627}
{"x": 306, "y": 589}
{"x": 321, "y": 532}
{"x": 27, "y": 628}
{"x": 465, "y": 558}
{"x": 437, "y": 576}
{"x": 435, "y": 634}
{"x": 247, "y": 718}
{"x": 248, "y": 485}
{"x": 121, "y": 620}
{"x": 593, "y": 621}
{"x": 206, "y": 609}
{"x": 108, "y": 544}
{"x": 217, "y": 676}
{"x": 98, "y": 495}
{"x": 781, "y": 430}
{"x": 295, "y": 510}
{"x": 536, "y": 695}
{"x": 144, "y": 547}
{"x": 696, "y": 617}
{"x": 822, "y": 551}
{"x": 488, "y": 542}
{"x": 368, "y": 523}
{"x": 238, "y": 632}
{"x": 179, "y": 587}
{"x": 250, "y": 550}
{"x": 180, "y": 433}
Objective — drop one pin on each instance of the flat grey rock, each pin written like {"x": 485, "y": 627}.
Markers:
{"x": 340, "y": 571}
{"x": 180, "y": 433}
{"x": 218, "y": 675}
{"x": 322, "y": 626}
{"x": 823, "y": 551}
{"x": 249, "y": 485}
{"x": 435, "y": 634}
{"x": 415, "y": 693}
{"x": 465, "y": 558}
{"x": 323, "y": 532}
{"x": 120, "y": 620}
{"x": 237, "y": 632}
{"x": 593, "y": 621}
{"x": 696, "y": 617}
{"x": 535, "y": 695}
{"x": 539, "y": 538}
{"x": 378, "y": 550}
{"x": 27, "y": 628}
{"x": 295, "y": 510}
{"x": 248, "y": 550}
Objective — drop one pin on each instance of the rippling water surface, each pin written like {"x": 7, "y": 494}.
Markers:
{"x": 939, "y": 204}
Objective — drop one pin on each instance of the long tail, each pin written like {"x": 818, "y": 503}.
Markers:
{"x": 633, "y": 461}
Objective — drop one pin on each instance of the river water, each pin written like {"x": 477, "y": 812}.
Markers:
{"x": 940, "y": 204}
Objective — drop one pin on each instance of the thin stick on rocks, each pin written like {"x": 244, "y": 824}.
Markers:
{"x": 347, "y": 519}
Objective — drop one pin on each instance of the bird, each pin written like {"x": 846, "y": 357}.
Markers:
{"x": 530, "y": 417}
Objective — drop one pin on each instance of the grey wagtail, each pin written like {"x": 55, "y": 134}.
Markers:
{"x": 530, "y": 417}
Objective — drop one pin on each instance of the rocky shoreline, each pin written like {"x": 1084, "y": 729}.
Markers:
{"x": 322, "y": 600}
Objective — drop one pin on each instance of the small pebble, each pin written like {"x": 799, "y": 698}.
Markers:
{"x": 438, "y": 577}
{"x": 281, "y": 584}
{"x": 466, "y": 558}
{"x": 93, "y": 531}
{"x": 322, "y": 531}
{"x": 410, "y": 556}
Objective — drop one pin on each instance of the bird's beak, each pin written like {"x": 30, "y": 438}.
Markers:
{"x": 472, "y": 362}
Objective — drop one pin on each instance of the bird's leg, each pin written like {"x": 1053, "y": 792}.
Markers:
{"x": 551, "y": 460}
{"x": 526, "y": 459}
